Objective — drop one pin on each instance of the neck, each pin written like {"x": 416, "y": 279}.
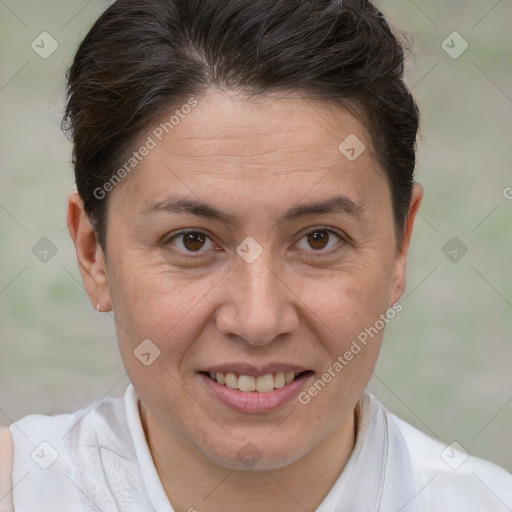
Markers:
{"x": 194, "y": 482}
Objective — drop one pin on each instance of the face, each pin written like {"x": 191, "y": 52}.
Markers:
{"x": 250, "y": 281}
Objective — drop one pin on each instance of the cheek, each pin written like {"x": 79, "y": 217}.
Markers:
{"x": 150, "y": 302}
{"x": 349, "y": 302}
{"x": 350, "y": 317}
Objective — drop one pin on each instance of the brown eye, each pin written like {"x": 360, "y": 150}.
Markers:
{"x": 190, "y": 242}
{"x": 193, "y": 241}
{"x": 320, "y": 240}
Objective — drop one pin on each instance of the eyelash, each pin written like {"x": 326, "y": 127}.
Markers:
{"x": 192, "y": 254}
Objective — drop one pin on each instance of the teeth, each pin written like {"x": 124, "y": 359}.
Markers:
{"x": 231, "y": 381}
{"x": 248, "y": 383}
{"x": 279, "y": 379}
{"x": 264, "y": 384}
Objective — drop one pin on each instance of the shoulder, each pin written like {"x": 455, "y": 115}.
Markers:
{"x": 446, "y": 476}
{"x": 64, "y": 454}
{"x": 48, "y": 423}
{"x": 6, "y": 458}
{"x": 44, "y": 464}
{"x": 41, "y": 467}
{"x": 36, "y": 434}
{"x": 45, "y": 439}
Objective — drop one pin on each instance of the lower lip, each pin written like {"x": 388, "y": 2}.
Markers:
{"x": 254, "y": 402}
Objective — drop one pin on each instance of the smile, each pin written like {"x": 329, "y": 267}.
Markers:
{"x": 261, "y": 392}
{"x": 250, "y": 383}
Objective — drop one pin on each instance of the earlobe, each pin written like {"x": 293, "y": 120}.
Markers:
{"x": 89, "y": 254}
{"x": 400, "y": 265}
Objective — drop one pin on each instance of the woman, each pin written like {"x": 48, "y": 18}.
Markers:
{"x": 245, "y": 202}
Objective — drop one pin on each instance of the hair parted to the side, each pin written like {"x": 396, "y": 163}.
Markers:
{"x": 144, "y": 57}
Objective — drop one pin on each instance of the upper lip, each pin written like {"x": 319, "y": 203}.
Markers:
{"x": 251, "y": 370}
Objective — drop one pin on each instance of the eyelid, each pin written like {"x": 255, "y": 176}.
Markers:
{"x": 342, "y": 236}
{"x": 168, "y": 239}
{"x": 344, "y": 239}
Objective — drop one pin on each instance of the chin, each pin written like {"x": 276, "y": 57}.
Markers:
{"x": 249, "y": 456}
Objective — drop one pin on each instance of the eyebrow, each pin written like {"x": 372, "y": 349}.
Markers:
{"x": 336, "y": 204}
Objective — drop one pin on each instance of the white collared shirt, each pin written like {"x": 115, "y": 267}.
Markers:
{"x": 98, "y": 460}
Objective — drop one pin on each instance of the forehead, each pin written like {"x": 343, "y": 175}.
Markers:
{"x": 279, "y": 144}
{"x": 224, "y": 125}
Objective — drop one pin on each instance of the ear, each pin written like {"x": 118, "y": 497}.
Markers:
{"x": 89, "y": 254}
{"x": 400, "y": 265}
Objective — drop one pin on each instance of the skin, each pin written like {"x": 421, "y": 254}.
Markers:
{"x": 253, "y": 159}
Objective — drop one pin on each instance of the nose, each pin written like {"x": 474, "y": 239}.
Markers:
{"x": 257, "y": 304}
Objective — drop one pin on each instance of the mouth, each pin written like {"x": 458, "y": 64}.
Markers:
{"x": 255, "y": 383}
{"x": 250, "y": 390}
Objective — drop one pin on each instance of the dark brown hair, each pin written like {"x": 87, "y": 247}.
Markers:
{"x": 144, "y": 57}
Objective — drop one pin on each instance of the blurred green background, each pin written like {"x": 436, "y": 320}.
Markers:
{"x": 446, "y": 362}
